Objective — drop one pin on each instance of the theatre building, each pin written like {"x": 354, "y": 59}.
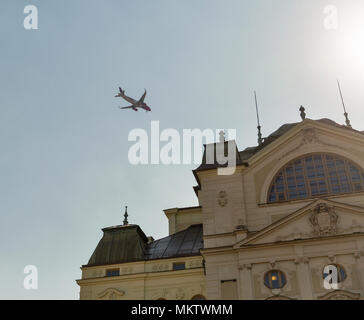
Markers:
{"x": 289, "y": 219}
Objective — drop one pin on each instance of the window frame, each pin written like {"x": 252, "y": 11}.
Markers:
{"x": 112, "y": 270}
{"x": 177, "y": 266}
{"x": 341, "y": 272}
{"x": 282, "y": 279}
{"x": 348, "y": 163}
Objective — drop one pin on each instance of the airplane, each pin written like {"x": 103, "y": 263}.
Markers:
{"x": 134, "y": 103}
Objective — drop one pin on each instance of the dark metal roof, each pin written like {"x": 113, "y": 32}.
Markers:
{"x": 249, "y": 152}
{"x": 128, "y": 243}
{"x": 120, "y": 244}
{"x": 206, "y": 166}
{"x": 184, "y": 243}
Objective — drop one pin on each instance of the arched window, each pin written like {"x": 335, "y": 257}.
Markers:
{"x": 316, "y": 175}
{"x": 275, "y": 279}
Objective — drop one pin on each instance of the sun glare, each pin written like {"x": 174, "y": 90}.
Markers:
{"x": 349, "y": 41}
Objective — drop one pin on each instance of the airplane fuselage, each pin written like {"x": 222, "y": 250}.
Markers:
{"x": 135, "y": 104}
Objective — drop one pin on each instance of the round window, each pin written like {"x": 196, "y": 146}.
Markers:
{"x": 331, "y": 269}
{"x": 275, "y": 279}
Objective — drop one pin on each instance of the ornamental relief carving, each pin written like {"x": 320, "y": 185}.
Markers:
{"x": 178, "y": 293}
{"x": 160, "y": 267}
{"x": 194, "y": 264}
{"x": 324, "y": 220}
{"x": 280, "y": 297}
{"x": 127, "y": 270}
{"x": 159, "y": 294}
{"x": 222, "y": 199}
{"x": 340, "y": 295}
{"x": 98, "y": 273}
{"x": 189, "y": 292}
{"x": 110, "y": 294}
{"x": 309, "y": 136}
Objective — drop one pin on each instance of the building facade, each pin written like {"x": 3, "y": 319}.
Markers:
{"x": 289, "y": 219}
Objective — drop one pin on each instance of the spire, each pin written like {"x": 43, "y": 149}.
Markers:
{"x": 303, "y": 113}
{"x": 347, "y": 121}
{"x": 222, "y": 136}
{"x": 125, "y": 222}
{"x": 260, "y": 140}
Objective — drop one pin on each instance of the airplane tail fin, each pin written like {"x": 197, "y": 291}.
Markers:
{"x": 121, "y": 91}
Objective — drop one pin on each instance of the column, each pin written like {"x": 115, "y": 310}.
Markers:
{"x": 304, "y": 278}
{"x": 246, "y": 282}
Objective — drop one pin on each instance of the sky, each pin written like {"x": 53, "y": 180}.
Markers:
{"x": 64, "y": 169}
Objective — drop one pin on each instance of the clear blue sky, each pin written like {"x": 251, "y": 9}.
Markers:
{"x": 63, "y": 162}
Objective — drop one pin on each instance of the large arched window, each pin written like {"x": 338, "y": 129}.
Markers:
{"x": 316, "y": 175}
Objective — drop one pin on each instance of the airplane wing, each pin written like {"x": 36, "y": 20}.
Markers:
{"x": 129, "y": 107}
{"x": 143, "y": 96}
{"x": 130, "y": 100}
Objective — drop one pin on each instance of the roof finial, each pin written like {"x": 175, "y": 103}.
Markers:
{"x": 260, "y": 140}
{"x": 303, "y": 113}
{"x": 125, "y": 222}
{"x": 347, "y": 121}
{"x": 222, "y": 136}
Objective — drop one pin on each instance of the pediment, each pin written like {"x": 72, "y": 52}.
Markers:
{"x": 321, "y": 218}
{"x": 310, "y": 134}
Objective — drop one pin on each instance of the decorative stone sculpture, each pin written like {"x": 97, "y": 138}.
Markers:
{"x": 222, "y": 199}
{"x": 111, "y": 294}
{"x": 324, "y": 220}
